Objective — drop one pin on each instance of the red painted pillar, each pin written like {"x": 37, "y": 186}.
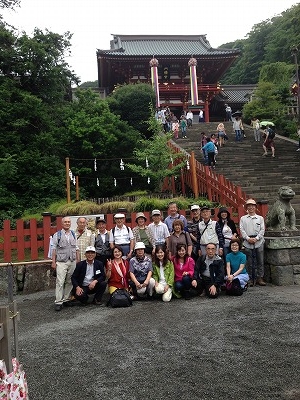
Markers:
{"x": 206, "y": 111}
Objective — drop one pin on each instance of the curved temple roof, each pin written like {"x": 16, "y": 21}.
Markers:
{"x": 164, "y": 45}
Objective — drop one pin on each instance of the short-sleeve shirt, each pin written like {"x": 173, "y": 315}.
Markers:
{"x": 140, "y": 269}
{"x": 120, "y": 235}
{"x": 235, "y": 260}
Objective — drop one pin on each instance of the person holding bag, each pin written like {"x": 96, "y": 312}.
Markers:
{"x": 117, "y": 271}
{"x": 235, "y": 268}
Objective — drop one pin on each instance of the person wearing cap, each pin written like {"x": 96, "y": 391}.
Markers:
{"x": 192, "y": 226}
{"x": 252, "y": 228}
{"x": 209, "y": 231}
{"x": 89, "y": 278}
{"x": 103, "y": 250}
{"x": 85, "y": 237}
{"x": 173, "y": 214}
{"x": 140, "y": 270}
{"x": 228, "y": 228}
{"x": 142, "y": 233}
{"x": 159, "y": 229}
{"x": 122, "y": 235}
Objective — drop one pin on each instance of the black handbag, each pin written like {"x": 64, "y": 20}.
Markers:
{"x": 120, "y": 298}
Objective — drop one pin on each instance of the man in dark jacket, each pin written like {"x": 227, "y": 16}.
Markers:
{"x": 89, "y": 278}
{"x": 209, "y": 272}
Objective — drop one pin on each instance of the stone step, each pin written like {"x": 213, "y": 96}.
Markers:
{"x": 243, "y": 164}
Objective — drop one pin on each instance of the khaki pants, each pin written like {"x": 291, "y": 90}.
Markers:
{"x": 64, "y": 271}
{"x": 166, "y": 296}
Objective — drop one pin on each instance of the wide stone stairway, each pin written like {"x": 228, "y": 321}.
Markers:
{"x": 243, "y": 164}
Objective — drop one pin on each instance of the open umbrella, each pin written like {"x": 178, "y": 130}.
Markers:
{"x": 237, "y": 113}
{"x": 267, "y": 123}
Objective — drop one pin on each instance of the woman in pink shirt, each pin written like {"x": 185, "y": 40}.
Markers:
{"x": 184, "y": 270}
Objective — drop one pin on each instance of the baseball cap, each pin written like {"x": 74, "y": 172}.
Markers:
{"x": 90, "y": 248}
{"x": 195, "y": 207}
{"x": 155, "y": 212}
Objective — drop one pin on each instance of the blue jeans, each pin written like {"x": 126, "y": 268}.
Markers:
{"x": 255, "y": 261}
{"x": 184, "y": 286}
{"x": 183, "y": 131}
{"x": 238, "y": 136}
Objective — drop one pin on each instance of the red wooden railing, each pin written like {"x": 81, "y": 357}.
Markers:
{"x": 205, "y": 182}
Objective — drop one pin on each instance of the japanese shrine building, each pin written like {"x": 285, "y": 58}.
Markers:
{"x": 127, "y": 61}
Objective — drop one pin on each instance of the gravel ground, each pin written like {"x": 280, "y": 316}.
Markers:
{"x": 230, "y": 348}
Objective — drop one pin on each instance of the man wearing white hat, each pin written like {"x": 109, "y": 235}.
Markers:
{"x": 159, "y": 229}
{"x": 89, "y": 278}
{"x": 140, "y": 270}
{"x": 252, "y": 228}
{"x": 122, "y": 235}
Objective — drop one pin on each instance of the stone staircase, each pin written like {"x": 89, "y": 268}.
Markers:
{"x": 243, "y": 164}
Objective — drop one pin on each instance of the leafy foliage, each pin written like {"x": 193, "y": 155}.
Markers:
{"x": 94, "y": 132}
{"x": 131, "y": 103}
{"x": 268, "y": 42}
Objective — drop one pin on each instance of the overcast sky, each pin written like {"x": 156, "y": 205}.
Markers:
{"x": 93, "y": 21}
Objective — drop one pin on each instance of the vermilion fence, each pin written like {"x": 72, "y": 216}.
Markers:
{"x": 205, "y": 182}
{"x": 33, "y": 238}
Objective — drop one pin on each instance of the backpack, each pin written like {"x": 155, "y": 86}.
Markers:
{"x": 59, "y": 235}
{"x": 119, "y": 298}
{"x": 114, "y": 228}
{"x": 271, "y": 133}
{"x": 234, "y": 288}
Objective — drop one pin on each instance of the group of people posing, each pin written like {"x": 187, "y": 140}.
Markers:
{"x": 174, "y": 257}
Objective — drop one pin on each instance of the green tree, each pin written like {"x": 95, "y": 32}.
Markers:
{"x": 269, "y": 41}
{"x": 131, "y": 103}
{"x": 34, "y": 91}
{"x": 94, "y": 132}
{"x": 154, "y": 158}
{"x": 265, "y": 104}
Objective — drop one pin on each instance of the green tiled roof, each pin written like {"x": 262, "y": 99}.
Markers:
{"x": 163, "y": 45}
{"x": 236, "y": 93}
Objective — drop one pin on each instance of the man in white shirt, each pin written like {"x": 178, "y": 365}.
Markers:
{"x": 252, "y": 228}
{"x": 122, "y": 235}
{"x": 189, "y": 118}
{"x": 159, "y": 229}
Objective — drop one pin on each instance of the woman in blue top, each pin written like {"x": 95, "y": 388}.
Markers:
{"x": 209, "y": 148}
{"x": 235, "y": 263}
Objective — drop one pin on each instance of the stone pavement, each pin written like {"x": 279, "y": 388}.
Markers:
{"x": 230, "y": 348}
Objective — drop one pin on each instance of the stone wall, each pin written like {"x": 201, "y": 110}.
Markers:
{"x": 282, "y": 258}
{"x": 28, "y": 278}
